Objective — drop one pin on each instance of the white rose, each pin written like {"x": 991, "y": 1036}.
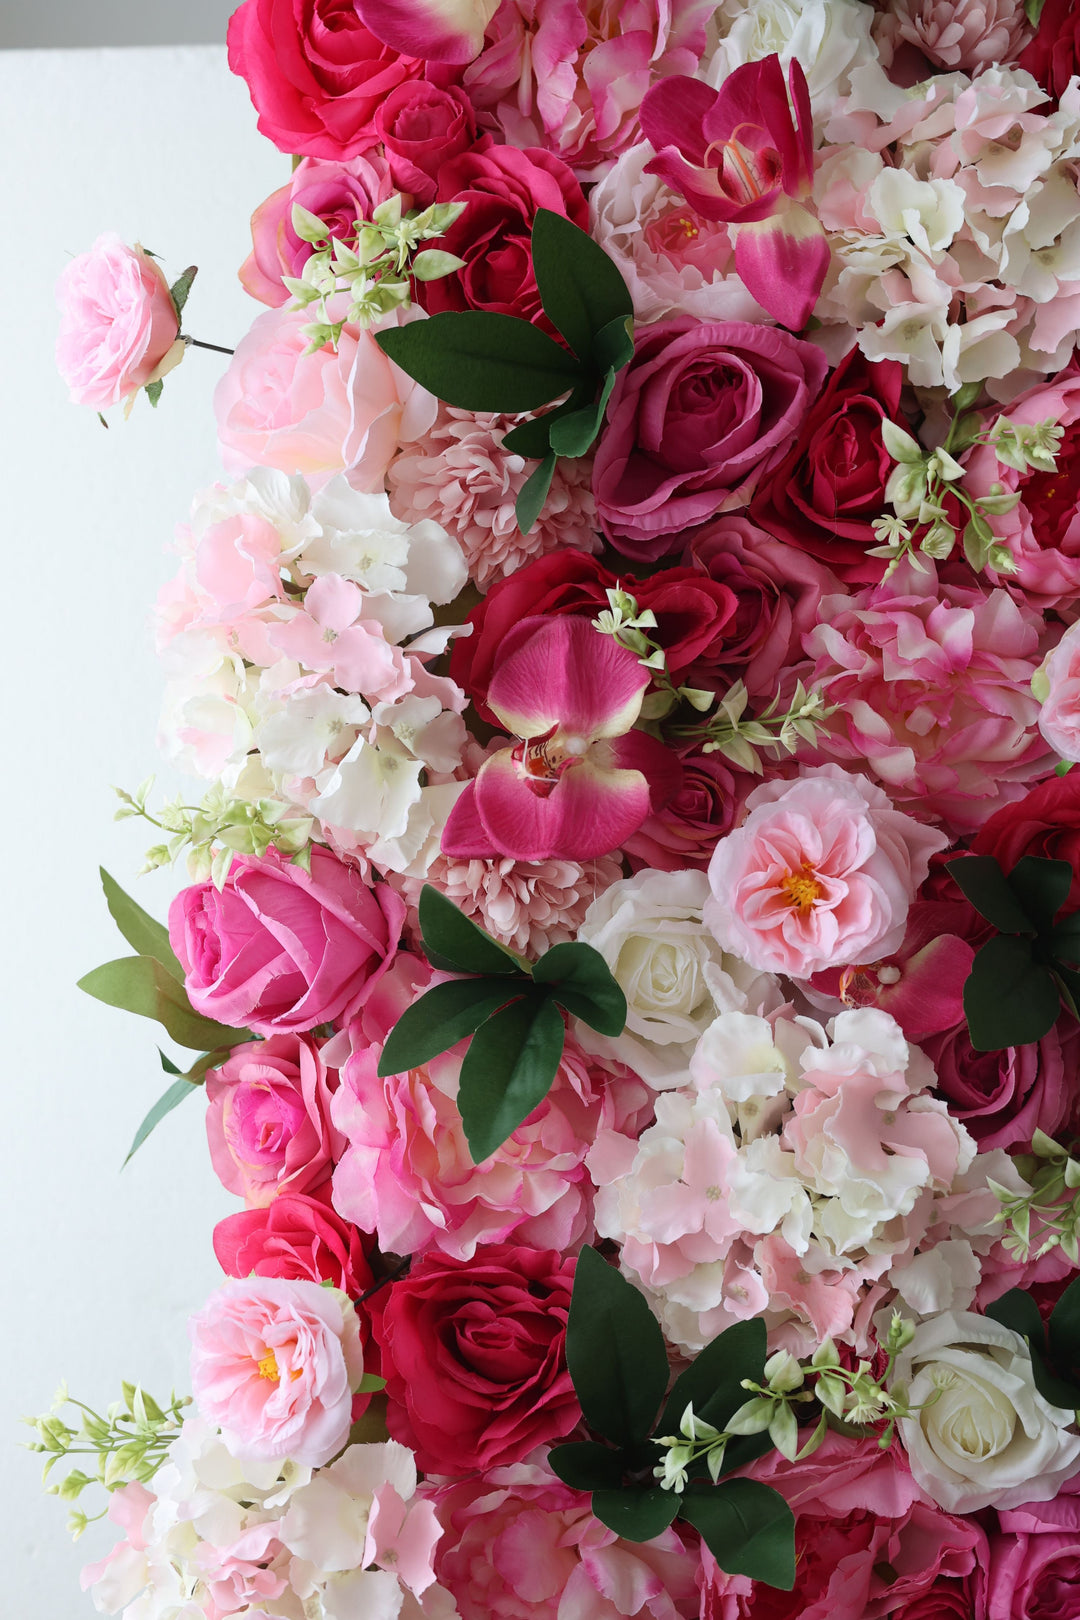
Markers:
{"x": 674, "y": 975}
{"x": 984, "y": 1436}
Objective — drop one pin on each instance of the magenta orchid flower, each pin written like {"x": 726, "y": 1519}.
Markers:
{"x": 434, "y": 30}
{"x": 742, "y": 156}
{"x": 580, "y": 781}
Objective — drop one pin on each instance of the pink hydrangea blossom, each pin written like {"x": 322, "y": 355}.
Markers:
{"x": 332, "y": 635}
{"x": 119, "y": 1577}
{"x": 917, "y": 37}
{"x": 1059, "y": 679}
{"x": 118, "y": 323}
{"x": 820, "y": 874}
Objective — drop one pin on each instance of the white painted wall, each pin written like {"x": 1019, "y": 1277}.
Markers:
{"x": 71, "y": 23}
{"x": 100, "y": 1269}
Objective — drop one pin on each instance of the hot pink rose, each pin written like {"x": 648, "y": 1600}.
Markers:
{"x": 702, "y": 412}
{"x": 317, "y": 414}
{"x": 268, "y": 1120}
{"x": 422, "y": 127}
{"x": 296, "y": 1237}
{"x": 1035, "y": 1561}
{"x": 279, "y": 949}
{"x": 820, "y": 874}
{"x": 274, "y": 1364}
{"x": 118, "y": 323}
{"x": 337, "y": 193}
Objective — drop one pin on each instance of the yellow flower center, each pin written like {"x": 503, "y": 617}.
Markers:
{"x": 268, "y": 1367}
{"x": 802, "y": 889}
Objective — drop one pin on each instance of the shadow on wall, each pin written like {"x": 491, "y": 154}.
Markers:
{"x": 80, "y": 23}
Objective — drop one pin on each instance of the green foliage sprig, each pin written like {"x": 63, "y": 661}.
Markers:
{"x": 1055, "y": 1347}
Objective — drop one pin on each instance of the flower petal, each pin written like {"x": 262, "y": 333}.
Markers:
{"x": 464, "y": 837}
{"x": 434, "y": 30}
{"x": 783, "y": 261}
{"x": 570, "y": 676}
{"x": 589, "y": 812}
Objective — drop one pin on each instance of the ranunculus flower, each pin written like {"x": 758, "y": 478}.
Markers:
{"x": 268, "y": 1119}
{"x": 1045, "y": 822}
{"x": 502, "y": 189}
{"x": 1034, "y": 1571}
{"x": 118, "y": 323}
{"x": 297, "y": 1237}
{"x": 474, "y": 1354}
{"x": 825, "y": 494}
{"x": 820, "y": 874}
{"x": 274, "y": 1364}
{"x": 702, "y": 412}
{"x": 345, "y": 410}
{"x": 987, "y": 1438}
{"x": 279, "y": 949}
{"x": 421, "y": 127}
{"x": 337, "y": 193}
{"x": 316, "y": 74}
{"x": 1053, "y": 56}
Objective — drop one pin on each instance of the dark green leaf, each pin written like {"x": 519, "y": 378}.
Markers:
{"x": 209, "y": 1060}
{"x": 1064, "y": 940}
{"x": 140, "y": 984}
{"x": 582, "y": 982}
{"x": 1042, "y": 887}
{"x": 533, "y": 438}
{"x": 181, "y": 287}
{"x": 1068, "y": 983}
{"x": 1058, "y": 1391}
{"x": 615, "y": 1352}
{"x": 441, "y": 1018}
{"x": 164, "y": 1105}
{"x": 1064, "y": 1331}
{"x": 153, "y": 392}
{"x": 748, "y": 1528}
{"x": 580, "y": 288}
{"x": 1009, "y": 998}
{"x": 986, "y": 886}
{"x": 636, "y": 1514}
{"x": 142, "y": 932}
{"x": 508, "y": 1070}
{"x": 587, "y": 1466}
{"x": 457, "y": 941}
{"x": 482, "y": 362}
{"x": 1018, "y": 1311}
{"x": 534, "y": 492}
{"x": 572, "y": 435}
{"x": 713, "y": 1380}
{"x": 614, "y": 344}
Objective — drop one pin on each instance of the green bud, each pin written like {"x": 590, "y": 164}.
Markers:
{"x": 783, "y": 1373}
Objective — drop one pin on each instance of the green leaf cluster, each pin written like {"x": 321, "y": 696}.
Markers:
{"x": 513, "y": 1011}
{"x": 1020, "y": 978}
{"x": 1055, "y": 1348}
{"x": 479, "y": 361}
{"x": 618, "y": 1362}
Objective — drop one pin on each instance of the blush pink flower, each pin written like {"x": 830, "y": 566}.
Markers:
{"x": 932, "y": 684}
{"x": 1059, "y": 716}
{"x": 118, "y": 323}
{"x": 274, "y": 1364}
{"x": 337, "y": 193}
{"x": 120, "y": 1576}
{"x": 449, "y": 31}
{"x": 820, "y": 874}
{"x": 241, "y": 1576}
{"x": 918, "y": 37}
{"x": 331, "y": 636}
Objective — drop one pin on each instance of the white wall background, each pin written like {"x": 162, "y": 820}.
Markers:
{"x": 100, "y": 1269}
{"x": 69, "y": 23}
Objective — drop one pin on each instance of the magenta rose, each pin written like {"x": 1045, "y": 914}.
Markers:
{"x": 1035, "y": 1561}
{"x": 279, "y": 949}
{"x": 1045, "y": 822}
{"x": 1004, "y": 1097}
{"x": 474, "y": 1354}
{"x": 316, "y": 75}
{"x": 268, "y": 1119}
{"x": 118, "y": 323}
{"x": 337, "y": 193}
{"x": 702, "y": 413}
{"x": 708, "y": 804}
{"x": 297, "y": 1237}
{"x": 1053, "y": 56}
{"x": 422, "y": 127}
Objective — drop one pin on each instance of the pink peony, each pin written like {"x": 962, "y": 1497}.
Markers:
{"x": 932, "y": 687}
{"x": 820, "y": 874}
{"x": 118, "y": 323}
{"x": 917, "y": 38}
{"x": 518, "y": 1544}
{"x": 280, "y": 949}
{"x": 337, "y": 193}
{"x": 268, "y": 1119}
{"x": 1059, "y": 716}
{"x": 407, "y": 1173}
{"x": 274, "y": 1364}
{"x": 345, "y": 410}
{"x": 460, "y": 475}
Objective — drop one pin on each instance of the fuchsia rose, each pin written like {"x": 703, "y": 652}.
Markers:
{"x": 1035, "y": 1560}
{"x": 268, "y": 1119}
{"x": 118, "y": 323}
{"x": 274, "y": 1364}
{"x": 1003, "y": 1097}
{"x": 316, "y": 74}
{"x": 337, "y": 193}
{"x": 474, "y": 1354}
{"x": 820, "y": 874}
{"x": 297, "y": 1237}
{"x": 683, "y": 833}
{"x": 279, "y": 949}
{"x": 1059, "y": 716}
{"x": 421, "y": 127}
{"x": 702, "y": 413}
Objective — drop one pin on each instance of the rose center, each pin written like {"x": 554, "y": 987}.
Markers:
{"x": 802, "y": 889}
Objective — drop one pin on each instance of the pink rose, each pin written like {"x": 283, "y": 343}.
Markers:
{"x": 422, "y": 127}
{"x": 707, "y": 804}
{"x": 297, "y": 1237}
{"x": 1059, "y": 717}
{"x": 1004, "y": 1097}
{"x": 702, "y": 412}
{"x": 268, "y": 1120}
{"x": 118, "y": 323}
{"x": 820, "y": 874}
{"x": 317, "y": 414}
{"x": 1035, "y": 1561}
{"x": 337, "y": 193}
{"x": 274, "y": 1364}
{"x": 279, "y": 949}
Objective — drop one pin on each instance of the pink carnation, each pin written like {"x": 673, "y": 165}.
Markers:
{"x": 931, "y": 684}
{"x": 118, "y": 323}
{"x": 460, "y": 475}
{"x": 274, "y": 1364}
{"x": 917, "y": 37}
{"x": 1059, "y": 717}
{"x": 407, "y": 1173}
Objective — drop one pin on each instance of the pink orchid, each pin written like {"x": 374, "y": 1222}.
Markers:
{"x": 434, "y": 30}
{"x": 580, "y": 781}
{"x": 739, "y": 155}
{"x": 331, "y": 636}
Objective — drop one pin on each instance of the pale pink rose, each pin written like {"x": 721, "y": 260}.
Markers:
{"x": 118, "y": 323}
{"x": 521, "y": 1545}
{"x": 820, "y": 874}
{"x": 917, "y": 37}
{"x": 932, "y": 684}
{"x": 407, "y": 1173}
{"x": 1059, "y": 717}
{"x": 345, "y": 410}
{"x": 274, "y": 1364}
{"x": 460, "y": 475}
